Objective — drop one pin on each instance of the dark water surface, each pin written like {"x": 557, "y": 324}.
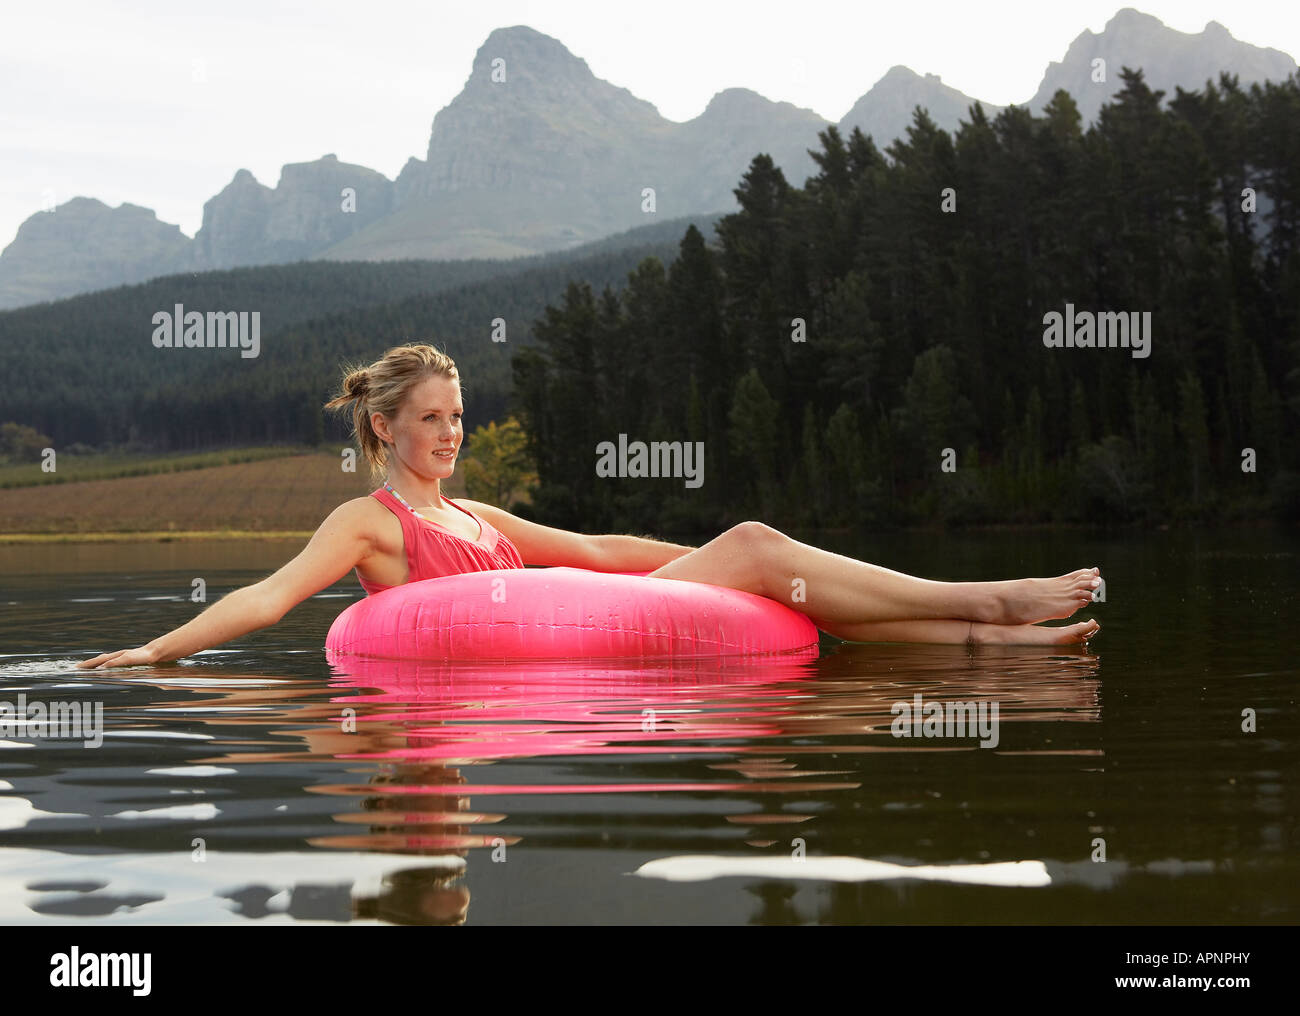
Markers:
{"x": 255, "y": 783}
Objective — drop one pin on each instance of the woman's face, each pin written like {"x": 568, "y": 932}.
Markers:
{"x": 427, "y": 433}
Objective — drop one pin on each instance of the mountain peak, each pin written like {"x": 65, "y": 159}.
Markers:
{"x": 81, "y": 205}
{"x": 531, "y": 118}
{"x": 731, "y": 100}
{"x": 885, "y": 112}
{"x": 528, "y": 53}
{"x": 900, "y": 75}
{"x": 899, "y": 72}
{"x": 1130, "y": 18}
{"x": 1166, "y": 57}
{"x": 85, "y": 244}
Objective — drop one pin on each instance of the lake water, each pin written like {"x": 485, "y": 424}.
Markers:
{"x": 256, "y": 783}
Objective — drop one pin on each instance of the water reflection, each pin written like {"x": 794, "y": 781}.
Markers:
{"x": 772, "y": 739}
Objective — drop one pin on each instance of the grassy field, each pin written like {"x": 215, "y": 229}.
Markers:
{"x": 274, "y": 494}
{"x": 72, "y": 468}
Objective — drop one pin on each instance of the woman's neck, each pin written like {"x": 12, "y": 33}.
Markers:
{"x": 418, "y": 493}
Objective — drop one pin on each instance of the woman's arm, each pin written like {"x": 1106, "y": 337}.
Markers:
{"x": 338, "y": 546}
{"x": 544, "y": 545}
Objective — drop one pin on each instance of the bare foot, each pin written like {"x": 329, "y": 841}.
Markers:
{"x": 1033, "y": 634}
{"x": 1028, "y": 601}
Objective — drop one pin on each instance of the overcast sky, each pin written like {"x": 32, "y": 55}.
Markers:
{"x": 159, "y": 102}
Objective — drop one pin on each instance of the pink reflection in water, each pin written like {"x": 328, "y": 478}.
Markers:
{"x": 476, "y": 711}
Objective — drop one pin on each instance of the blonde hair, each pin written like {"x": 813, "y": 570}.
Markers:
{"x": 382, "y": 387}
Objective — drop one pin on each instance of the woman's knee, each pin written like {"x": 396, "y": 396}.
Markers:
{"x": 754, "y": 534}
{"x": 749, "y": 545}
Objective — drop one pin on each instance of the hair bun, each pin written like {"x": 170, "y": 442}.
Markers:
{"x": 357, "y": 383}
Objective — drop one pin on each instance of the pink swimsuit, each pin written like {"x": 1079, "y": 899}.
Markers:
{"x": 433, "y": 550}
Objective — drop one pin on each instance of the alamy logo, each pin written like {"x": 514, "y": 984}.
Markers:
{"x": 1086, "y": 329}
{"x": 659, "y": 458}
{"x": 73, "y": 969}
{"x": 946, "y": 719}
{"x": 182, "y": 329}
{"x": 82, "y": 721}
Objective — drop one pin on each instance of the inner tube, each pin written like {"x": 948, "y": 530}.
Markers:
{"x": 564, "y": 613}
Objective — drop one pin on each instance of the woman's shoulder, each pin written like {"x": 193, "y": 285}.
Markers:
{"x": 366, "y": 516}
{"x": 360, "y": 507}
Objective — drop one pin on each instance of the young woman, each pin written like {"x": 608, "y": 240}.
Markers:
{"x": 406, "y": 414}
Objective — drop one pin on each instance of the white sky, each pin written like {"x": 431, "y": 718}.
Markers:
{"x": 159, "y": 102}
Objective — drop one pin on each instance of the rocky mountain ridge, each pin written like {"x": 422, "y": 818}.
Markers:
{"x": 538, "y": 154}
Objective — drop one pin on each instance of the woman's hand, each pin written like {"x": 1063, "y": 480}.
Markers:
{"x": 342, "y": 541}
{"x": 121, "y": 658}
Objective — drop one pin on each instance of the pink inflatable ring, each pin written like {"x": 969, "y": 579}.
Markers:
{"x": 564, "y": 613}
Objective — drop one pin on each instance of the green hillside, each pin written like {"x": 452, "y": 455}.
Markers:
{"x": 86, "y": 370}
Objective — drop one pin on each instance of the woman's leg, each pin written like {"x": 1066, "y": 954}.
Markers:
{"x": 839, "y": 590}
{"x": 953, "y": 632}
